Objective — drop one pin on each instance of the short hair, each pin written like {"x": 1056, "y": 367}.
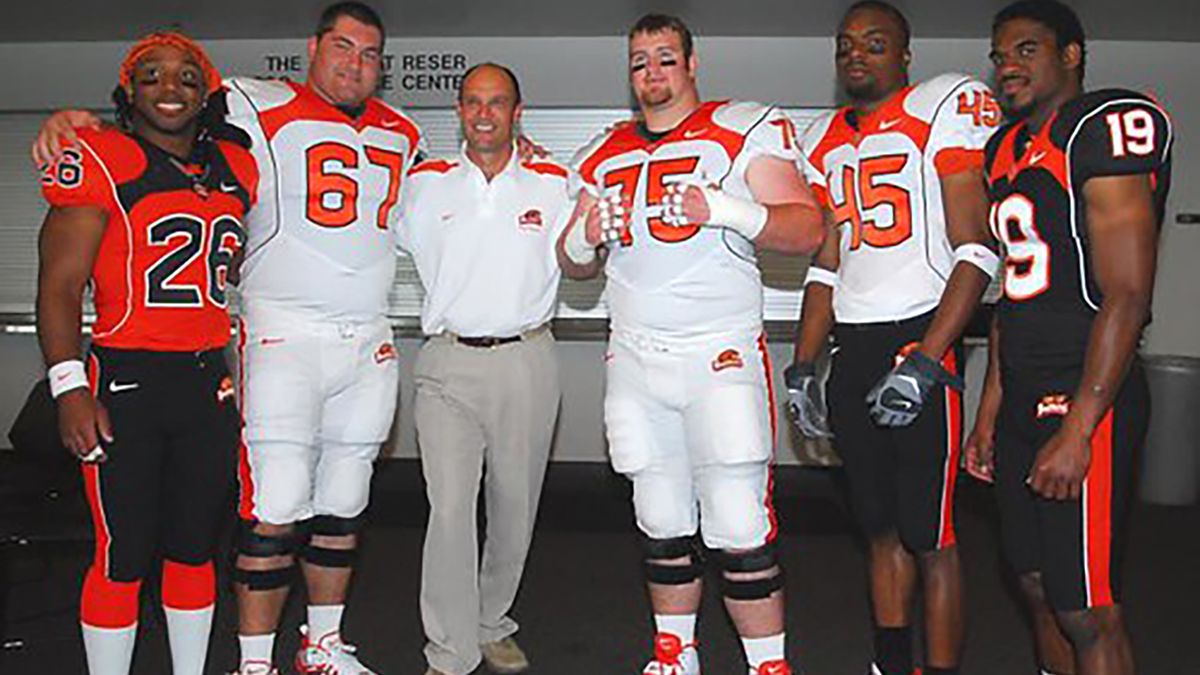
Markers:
{"x": 1052, "y": 14}
{"x": 358, "y": 11}
{"x": 887, "y": 8}
{"x": 657, "y": 23}
{"x": 504, "y": 69}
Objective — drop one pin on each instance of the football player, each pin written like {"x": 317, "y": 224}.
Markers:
{"x": 150, "y": 215}
{"x": 898, "y": 171}
{"x": 673, "y": 206}
{"x": 1077, "y": 182}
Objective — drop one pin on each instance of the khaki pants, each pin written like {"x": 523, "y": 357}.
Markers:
{"x": 483, "y": 415}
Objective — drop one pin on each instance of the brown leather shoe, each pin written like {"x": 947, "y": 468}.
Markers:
{"x": 504, "y": 656}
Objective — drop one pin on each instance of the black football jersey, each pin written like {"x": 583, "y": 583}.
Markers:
{"x": 1038, "y": 211}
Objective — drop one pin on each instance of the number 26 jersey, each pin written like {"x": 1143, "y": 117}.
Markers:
{"x": 1038, "y": 211}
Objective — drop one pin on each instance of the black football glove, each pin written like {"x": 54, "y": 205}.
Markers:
{"x": 897, "y": 399}
{"x": 806, "y": 400}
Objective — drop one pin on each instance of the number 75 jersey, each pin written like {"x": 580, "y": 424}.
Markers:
{"x": 879, "y": 176}
{"x": 687, "y": 280}
{"x": 321, "y": 240}
{"x": 1036, "y": 188}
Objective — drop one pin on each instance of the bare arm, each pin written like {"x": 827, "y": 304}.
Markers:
{"x": 586, "y": 216}
{"x": 58, "y": 132}
{"x": 980, "y": 445}
{"x": 795, "y": 223}
{"x": 816, "y": 311}
{"x": 1122, "y": 231}
{"x": 67, "y": 247}
{"x": 966, "y": 205}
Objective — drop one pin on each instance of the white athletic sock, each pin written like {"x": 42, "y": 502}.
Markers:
{"x": 682, "y": 626}
{"x": 257, "y": 650}
{"x": 323, "y": 620}
{"x": 761, "y": 650}
{"x": 109, "y": 650}
{"x": 187, "y": 632}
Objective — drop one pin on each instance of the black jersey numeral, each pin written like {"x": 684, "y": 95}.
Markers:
{"x": 186, "y": 233}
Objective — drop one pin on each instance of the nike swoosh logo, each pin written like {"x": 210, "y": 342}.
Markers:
{"x": 693, "y": 133}
{"x": 390, "y": 124}
{"x": 228, "y": 187}
{"x": 1036, "y": 157}
{"x": 888, "y": 124}
{"x": 116, "y": 387}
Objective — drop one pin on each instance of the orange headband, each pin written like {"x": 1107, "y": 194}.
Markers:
{"x": 212, "y": 78}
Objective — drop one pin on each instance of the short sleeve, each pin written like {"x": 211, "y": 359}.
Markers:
{"x": 775, "y": 136}
{"x": 961, "y": 127}
{"x": 812, "y": 173}
{"x": 77, "y": 178}
{"x": 1121, "y": 137}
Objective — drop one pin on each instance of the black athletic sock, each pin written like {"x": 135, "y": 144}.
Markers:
{"x": 893, "y": 650}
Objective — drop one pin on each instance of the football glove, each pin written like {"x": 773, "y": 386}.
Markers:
{"x": 897, "y": 399}
{"x": 806, "y": 400}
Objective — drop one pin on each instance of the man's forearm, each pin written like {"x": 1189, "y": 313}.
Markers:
{"x": 1111, "y": 348}
{"x": 959, "y": 301}
{"x": 816, "y": 320}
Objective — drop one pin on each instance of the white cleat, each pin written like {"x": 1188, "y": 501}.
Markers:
{"x": 328, "y": 655}
{"x": 672, "y": 657}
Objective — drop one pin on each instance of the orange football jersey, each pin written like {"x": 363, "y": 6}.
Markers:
{"x": 173, "y": 229}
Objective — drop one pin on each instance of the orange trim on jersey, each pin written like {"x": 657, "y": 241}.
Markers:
{"x": 772, "y": 517}
{"x": 1097, "y": 516}
{"x": 957, "y": 160}
{"x": 546, "y": 168}
{"x": 946, "y": 535}
{"x": 433, "y": 166}
{"x": 310, "y": 107}
{"x": 245, "y": 474}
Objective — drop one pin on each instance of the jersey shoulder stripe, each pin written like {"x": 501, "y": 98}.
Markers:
{"x": 925, "y": 100}
{"x": 740, "y": 117}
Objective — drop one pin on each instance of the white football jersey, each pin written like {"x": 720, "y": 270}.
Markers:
{"x": 684, "y": 280}
{"x": 879, "y": 176}
{"x": 320, "y": 240}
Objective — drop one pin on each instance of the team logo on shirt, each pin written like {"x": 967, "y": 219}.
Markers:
{"x": 385, "y": 352}
{"x": 530, "y": 220}
{"x": 730, "y": 358}
{"x": 1053, "y": 405}
{"x": 225, "y": 389}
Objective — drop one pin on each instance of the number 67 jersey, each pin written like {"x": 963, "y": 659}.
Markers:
{"x": 1036, "y": 185}
{"x": 321, "y": 240}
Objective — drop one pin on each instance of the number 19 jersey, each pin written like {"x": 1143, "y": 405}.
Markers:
{"x": 879, "y": 176}
{"x": 684, "y": 281}
{"x": 321, "y": 240}
{"x": 1036, "y": 188}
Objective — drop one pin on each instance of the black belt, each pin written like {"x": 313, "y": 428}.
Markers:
{"x": 487, "y": 341}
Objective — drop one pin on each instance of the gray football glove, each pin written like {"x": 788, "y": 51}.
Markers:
{"x": 806, "y": 400}
{"x": 897, "y": 399}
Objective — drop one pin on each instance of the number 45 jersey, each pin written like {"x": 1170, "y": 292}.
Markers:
{"x": 879, "y": 176}
{"x": 683, "y": 281}
{"x": 321, "y": 240}
{"x": 1036, "y": 185}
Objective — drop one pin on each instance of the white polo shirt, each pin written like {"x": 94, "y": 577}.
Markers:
{"x": 484, "y": 249}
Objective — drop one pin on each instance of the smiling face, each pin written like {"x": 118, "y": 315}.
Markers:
{"x": 659, "y": 73}
{"x": 167, "y": 91}
{"x": 488, "y": 110}
{"x": 345, "y": 62}
{"x": 1031, "y": 72}
{"x": 872, "y": 59}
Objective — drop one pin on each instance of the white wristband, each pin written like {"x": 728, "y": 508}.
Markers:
{"x": 980, "y": 256}
{"x": 576, "y": 245}
{"x": 820, "y": 275}
{"x": 65, "y": 376}
{"x": 743, "y": 216}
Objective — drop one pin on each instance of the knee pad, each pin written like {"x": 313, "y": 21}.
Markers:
{"x": 342, "y": 480}
{"x": 332, "y": 526}
{"x": 106, "y": 603}
{"x": 657, "y": 551}
{"x": 255, "y": 545}
{"x": 751, "y": 562}
{"x": 188, "y": 587}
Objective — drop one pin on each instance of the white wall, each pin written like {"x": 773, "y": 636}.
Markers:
{"x": 589, "y": 71}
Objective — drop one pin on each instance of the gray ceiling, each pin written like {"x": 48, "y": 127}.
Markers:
{"x": 74, "y": 20}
